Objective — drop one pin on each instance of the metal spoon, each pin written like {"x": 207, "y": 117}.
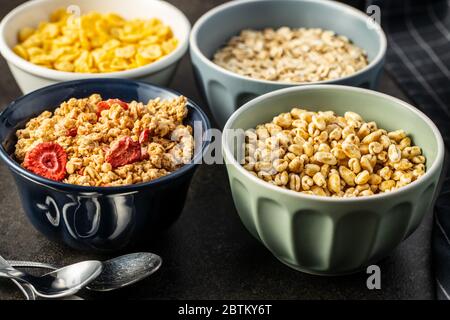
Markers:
{"x": 25, "y": 288}
{"x": 117, "y": 272}
{"x": 57, "y": 284}
{"x": 28, "y": 292}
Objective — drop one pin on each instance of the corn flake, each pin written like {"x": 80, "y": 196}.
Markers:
{"x": 95, "y": 42}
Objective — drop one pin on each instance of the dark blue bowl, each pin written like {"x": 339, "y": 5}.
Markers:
{"x": 98, "y": 218}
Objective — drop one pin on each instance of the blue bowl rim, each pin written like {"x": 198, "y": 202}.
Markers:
{"x": 14, "y": 165}
{"x": 194, "y": 48}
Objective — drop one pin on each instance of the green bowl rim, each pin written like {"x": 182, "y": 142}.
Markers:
{"x": 379, "y": 57}
{"x": 230, "y": 160}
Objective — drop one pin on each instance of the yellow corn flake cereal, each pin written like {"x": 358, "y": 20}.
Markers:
{"x": 42, "y": 59}
{"x": 95, "y": 42}
{"x": 83, "y": 62}
{"x": 50, "y": 30}
{"x": 119, "y": 64}
{"x": 98, "y": 42}
{"x": 63, "y": 41}
{"x": 47, "y": 45}
{"x": 69, "y": 57}
{"x": 164, "y": 33}
{"x": 126, "y": 52}
{"x": 58, "y": 15}
{"x": 57, "y": 53}
{"x": 101, "y": 29}
{"x": 141, "y": 61}
{"x": 25, "y": 33}
{"x": 130, "y": 37}
{"x": 149, "y": 40}
{"x": 152, "y": 52}
{"x": 114, "y": 19}
{"x": 34, "y": 40}
{"x": 169, "y": 45}
{"x": 111, "y": 44}
{"x": 35, "y": 51}
{"x": 22, "y": 52}
{"x": 104, "y": 67}
{"x": 99, "y": 55}
{"x": 64, "y": 66}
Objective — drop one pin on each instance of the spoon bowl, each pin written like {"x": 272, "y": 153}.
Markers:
{"x": 116, "y": 273}
{"x": 72, "y": 278}
{"x": 58, "y": 283}
{"x": 125, "y": 270}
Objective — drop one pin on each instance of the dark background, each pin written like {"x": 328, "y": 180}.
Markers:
{"x": 208, "y": 254}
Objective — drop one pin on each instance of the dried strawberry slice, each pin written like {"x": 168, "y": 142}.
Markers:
{"x": 47, "y": 159}
{"x": 143, "y": 137}
{"x": 105, "y": 105}
{"x": 72, "y": 132}
{"x": 123, "y": 151}
{"x": 102, "y": 105}
{"x": 144, "y": 154}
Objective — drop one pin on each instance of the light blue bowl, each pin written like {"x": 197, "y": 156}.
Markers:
{"x": 226, "y": 91}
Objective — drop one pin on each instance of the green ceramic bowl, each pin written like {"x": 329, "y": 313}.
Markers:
{"x": 330, "y": 236}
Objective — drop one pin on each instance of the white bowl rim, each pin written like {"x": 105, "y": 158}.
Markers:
{"x": 229, "y": 157}
{"x": 372, "y": 64}
{"x": 57, "y": 75}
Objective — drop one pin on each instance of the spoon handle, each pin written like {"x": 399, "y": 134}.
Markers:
{"x": 29, "y": 264}
{"x": 6, "y": 271}
{"x": 4, "y": 263}
{"x": 24, "y": 287}
{"x": 26, "y": 290}
{"x": 11, "y": 273}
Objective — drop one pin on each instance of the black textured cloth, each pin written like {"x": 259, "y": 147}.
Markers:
{"x": 418, "y": 58}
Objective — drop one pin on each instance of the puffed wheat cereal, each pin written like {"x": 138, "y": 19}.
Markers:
{"x": 324, "y": 154}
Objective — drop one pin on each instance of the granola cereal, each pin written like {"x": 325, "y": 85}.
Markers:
{"x": 291, "y": 55}
{"x": 324, "y": 154}
{"x": 92, "y": 142}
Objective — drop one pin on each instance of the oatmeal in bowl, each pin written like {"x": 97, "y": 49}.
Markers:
{"x": 291, "y": 55}
{"x": 97, "y": 142}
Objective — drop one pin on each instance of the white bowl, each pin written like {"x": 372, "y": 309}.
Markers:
{"x": 30, "y": 77}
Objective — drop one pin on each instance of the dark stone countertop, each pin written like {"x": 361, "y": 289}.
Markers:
{"x": 208, "y": 254}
